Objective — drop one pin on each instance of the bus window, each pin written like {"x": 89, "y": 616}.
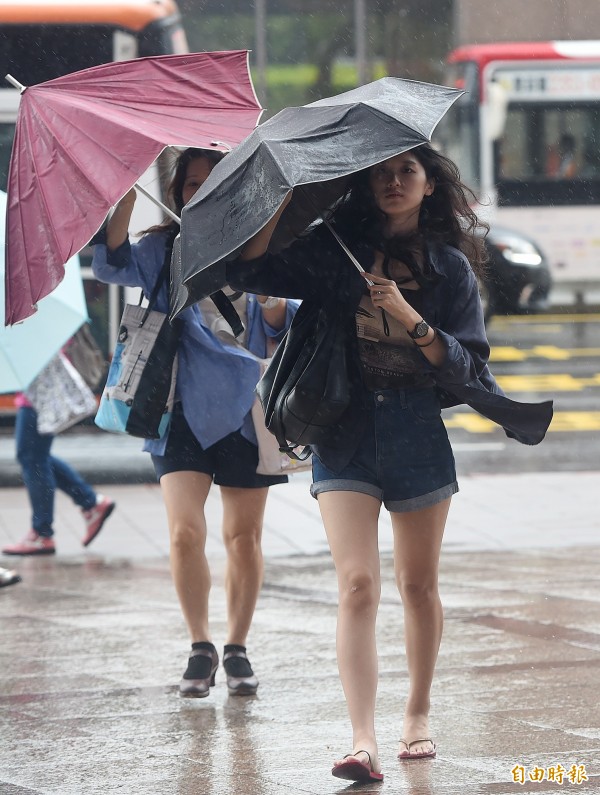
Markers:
{"x": 549, "y": 155}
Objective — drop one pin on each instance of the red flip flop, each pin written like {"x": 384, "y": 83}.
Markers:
{"x": 353, "y": 770}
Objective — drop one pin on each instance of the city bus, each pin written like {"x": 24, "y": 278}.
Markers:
{"x": 42, "y": 40}
{"x": 526, "y": 136}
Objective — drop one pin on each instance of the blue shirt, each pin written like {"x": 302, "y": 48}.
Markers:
{"x": 215, "y": 381}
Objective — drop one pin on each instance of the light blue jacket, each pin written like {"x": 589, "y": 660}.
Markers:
{"x": 215, "y": 382}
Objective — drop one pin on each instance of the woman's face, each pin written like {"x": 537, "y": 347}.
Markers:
{"x": 196, "y": 174}
{"x": 399, "y": 185}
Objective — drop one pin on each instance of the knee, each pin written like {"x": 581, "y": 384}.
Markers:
{"x": 27, "y": 457}
{"x": 417, "y": 594}
{"x": 185, "y": 537}
{"x": 360, "y": 591}
{"x": 243, "y": 544}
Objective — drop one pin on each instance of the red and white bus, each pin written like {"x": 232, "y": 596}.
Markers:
{"x": 526, "y": 136}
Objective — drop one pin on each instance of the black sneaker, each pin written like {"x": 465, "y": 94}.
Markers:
{"x": 199, "y": 676}
{"x": 240, "y": 676}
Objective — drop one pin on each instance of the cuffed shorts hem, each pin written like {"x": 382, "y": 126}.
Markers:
{"x": 393, "y": 506}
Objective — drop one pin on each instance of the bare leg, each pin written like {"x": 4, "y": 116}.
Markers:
{"x": 417, "y": 544}
{"x": 243, "y": 513}
{"x": 351, "y": 524}
{"x": 185, "y": 494}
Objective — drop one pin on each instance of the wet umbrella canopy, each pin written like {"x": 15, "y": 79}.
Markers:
{"x": 317, "y": 146}
{"x": 84, "y": 139}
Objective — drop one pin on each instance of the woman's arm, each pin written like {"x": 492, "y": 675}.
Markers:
{"x": 117, "y": 229}
{"x": 258, "y": 245}
{"x": 386, "y": 295}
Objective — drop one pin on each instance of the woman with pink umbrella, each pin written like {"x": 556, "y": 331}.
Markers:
{"x": 211, "y": 437}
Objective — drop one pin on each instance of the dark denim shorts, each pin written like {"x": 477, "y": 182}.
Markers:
{"x": 404, "y": 459}
{"x": 231, "y": 461}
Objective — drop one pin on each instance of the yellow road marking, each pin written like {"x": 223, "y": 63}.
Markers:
{"x": 508, "y": 353}
{"x": 562, "y": 421}
{"x": 545, "y": 382}
{"x": 581, "y": 317}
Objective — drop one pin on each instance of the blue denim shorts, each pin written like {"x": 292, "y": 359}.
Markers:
{"x": 404, "y": 459}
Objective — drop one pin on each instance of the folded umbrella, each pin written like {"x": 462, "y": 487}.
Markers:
{"x": 83, "y": 140}
{"x": 317, "y": 146}
{"x": 26, "y": 348}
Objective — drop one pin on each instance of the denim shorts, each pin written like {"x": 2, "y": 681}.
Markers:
{"x": 404, "y": 458}
{"x": 231, "y": 461}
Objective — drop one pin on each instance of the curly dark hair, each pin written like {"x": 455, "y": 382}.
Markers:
{"x": 445, "y": 217}
{"x": 175, "y": 187}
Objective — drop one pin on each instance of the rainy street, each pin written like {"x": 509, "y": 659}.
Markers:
{"x": 93, "y": 642}
{"x": 172, "y": 149}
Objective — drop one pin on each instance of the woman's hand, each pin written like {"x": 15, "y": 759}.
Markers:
{"x": 386, "y": 295}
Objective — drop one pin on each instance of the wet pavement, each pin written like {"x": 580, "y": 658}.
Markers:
{"x": 93, "y": 645}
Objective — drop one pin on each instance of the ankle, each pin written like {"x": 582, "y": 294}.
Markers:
{"x": 203, "y": 644}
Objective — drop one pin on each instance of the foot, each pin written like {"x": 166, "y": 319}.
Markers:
{"x": 8, "y": 577}
{"x": 32, "y": 544}
{"x": 95, "y": 518}
{"x": 199, "y": 676}
{"x": 358, "y": 766}
{"x": 416, "y": 742}
{"x": 241, "y": 680}
{"x": 421, "y": 748}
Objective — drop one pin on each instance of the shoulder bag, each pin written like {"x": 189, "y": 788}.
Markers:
{"x": 87, "y": 358}
{"x": 139, "y": 393}
{"x": 305, "y": 389}
{"x": 60, "y": 396}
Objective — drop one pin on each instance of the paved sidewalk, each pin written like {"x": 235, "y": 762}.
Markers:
{"x": 93, "y": 646}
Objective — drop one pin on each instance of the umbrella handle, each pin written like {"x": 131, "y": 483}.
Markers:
{"x": 15, "y": 83}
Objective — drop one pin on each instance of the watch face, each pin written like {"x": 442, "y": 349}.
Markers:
{"x": 419, "y": 331}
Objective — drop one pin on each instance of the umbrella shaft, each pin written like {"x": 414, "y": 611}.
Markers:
{"x": 158, "y": 203}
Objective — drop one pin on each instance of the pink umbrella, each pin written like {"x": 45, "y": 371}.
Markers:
{"x": 83, "y": 140}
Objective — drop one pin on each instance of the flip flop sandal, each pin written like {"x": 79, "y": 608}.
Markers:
{"x": 353, "y": 770}
{"x": 408, "y": 755}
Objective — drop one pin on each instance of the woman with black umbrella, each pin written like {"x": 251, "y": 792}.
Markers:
{"x": 415, "y": 341}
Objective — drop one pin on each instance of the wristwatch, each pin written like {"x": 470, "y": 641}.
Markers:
{"x": 270, "y": 303}
{"x": 420, "y": 330}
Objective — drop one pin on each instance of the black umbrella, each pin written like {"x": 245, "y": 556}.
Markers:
{"x": 317, "y": 146}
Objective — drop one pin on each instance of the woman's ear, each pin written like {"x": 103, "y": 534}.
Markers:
{"x": 430, "y": 187}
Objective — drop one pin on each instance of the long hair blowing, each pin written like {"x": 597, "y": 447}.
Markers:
{"x": 445, "y": 217}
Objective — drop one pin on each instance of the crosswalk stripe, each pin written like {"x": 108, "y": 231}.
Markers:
{"x": 508, "y": 353}
{"x": 547, "y": 382}
{"x": 563, "y": 421}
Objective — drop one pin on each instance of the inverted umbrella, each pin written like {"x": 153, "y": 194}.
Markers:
{"x": 25, "y": 349}
{"x": 317, "y": 146}
{"x": 83, "y": 140}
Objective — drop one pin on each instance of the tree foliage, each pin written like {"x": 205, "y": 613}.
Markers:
{"x": 411, "y": 37}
